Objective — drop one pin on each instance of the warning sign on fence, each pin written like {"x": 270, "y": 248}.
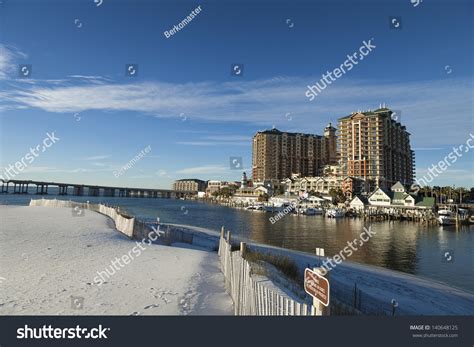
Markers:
{"x": 317, "y": 286}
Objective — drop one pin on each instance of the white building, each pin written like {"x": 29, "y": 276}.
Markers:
{"x": 396, "y": 197}
{"x": 358, "y": 203}
{"x": 323, "y": 185}
{"x": 380, "y": 198}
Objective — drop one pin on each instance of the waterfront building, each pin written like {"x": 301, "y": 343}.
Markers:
{"x": 270, "y": 185}
{"x": 426, "y": 202}
{"x": 323, "y": 185}
{"x": 353, "y": 186}
{"x": 375, "y": 148}
{"x": 398, "y": 197}
{"x": 250, "y": 194}
{"x": 358, "y": 203}
{"x": 189, "y": 185}
{"x": 215, "y": 186}
{"x": 380, "y": 197}
{"x": 276, "y": 154}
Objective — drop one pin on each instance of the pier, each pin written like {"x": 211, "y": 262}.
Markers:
{"x": 41, "y": 188}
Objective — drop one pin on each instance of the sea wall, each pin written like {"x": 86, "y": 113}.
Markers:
{"x": 365, "y": 289}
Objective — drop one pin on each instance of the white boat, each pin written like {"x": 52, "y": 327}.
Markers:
{"x": 277, "y": 207}
{"x": 446, "y": 217}
{"x": 335, "y": 213}
{"x": 312, "y": 211}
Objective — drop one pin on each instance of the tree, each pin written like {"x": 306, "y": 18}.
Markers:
{"x": 337, "y": 195}
{"x": 263, "y": 197}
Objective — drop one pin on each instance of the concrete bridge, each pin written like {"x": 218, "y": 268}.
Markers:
{"x": 29, "y": 186}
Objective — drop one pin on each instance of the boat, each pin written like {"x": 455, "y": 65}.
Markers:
{"x": 335, "y": 213}
{"x": 446, "y": 217}
{"x": 312, "y": 211}
{"x": 278, "y": 207}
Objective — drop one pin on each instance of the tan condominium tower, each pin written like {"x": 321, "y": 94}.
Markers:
{"x": 375, "y": 148}
{"x": 277, "y": 155}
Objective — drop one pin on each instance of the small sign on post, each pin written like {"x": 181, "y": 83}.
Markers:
{"x": 317, "y": 286}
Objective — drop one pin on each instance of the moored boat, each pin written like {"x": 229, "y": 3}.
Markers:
{"x": 335, "y": 213}
{"x": 446, "y": 217}
{"x": 312, "y": 211}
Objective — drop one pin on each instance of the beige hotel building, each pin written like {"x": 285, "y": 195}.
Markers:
{"x": 276, "y": 155}
{"x": 375, "y": 149}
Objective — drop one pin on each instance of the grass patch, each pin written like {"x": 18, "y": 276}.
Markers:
{"x": 284, "y": 264}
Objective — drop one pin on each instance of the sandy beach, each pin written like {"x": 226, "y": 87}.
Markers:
{"x": 49, "y": 259}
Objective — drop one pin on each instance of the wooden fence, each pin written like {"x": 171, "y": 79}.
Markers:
{"x": 124, "y": 224}
{"x": 250, "y": 296}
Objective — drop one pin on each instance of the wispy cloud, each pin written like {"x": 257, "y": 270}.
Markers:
{"x": 444, "y": 102}
{"x": 219, "y": 140}
{"x": 212, "y": 143}
{"x": 205, "y": 169}
{"x": 210, "y": 169}
{"x": 97, "y": 157}
{"x": 53, "y": 169}
{"x": 9, "y": 57}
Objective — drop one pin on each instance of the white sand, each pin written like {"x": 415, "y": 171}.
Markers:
{"x": 48, "y": 256}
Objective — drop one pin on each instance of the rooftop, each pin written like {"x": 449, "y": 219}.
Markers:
{"x": 275, "y": 131}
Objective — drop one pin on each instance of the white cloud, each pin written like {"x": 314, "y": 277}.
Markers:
{"x": 213, "y": 143}
{"x": 442, "y": 106}
{"x": 205, "y": 169}
{"x": 210, "y": 169}
{"x": 9, "y": 57}
{"x": 97, "y": 157}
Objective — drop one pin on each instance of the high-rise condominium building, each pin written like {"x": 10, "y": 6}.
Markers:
{"x": 375, "y": 148}
{"x": 276, "y": 154}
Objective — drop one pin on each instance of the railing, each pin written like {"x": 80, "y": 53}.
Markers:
{"x": 250, "y": 296}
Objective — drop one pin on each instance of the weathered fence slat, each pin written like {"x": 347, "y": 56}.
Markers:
{"x": 251, "y": 297}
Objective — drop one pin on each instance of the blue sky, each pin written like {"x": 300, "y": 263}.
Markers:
{"x": 185, "y": 104}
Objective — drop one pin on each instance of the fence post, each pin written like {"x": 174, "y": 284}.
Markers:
{"x": 320, "y": 309}
{"x": 228, "y": 238}
{"x": 394, "y": 306}
{"x": 219, "y": 252}
{"x": 320, "y": 252}
{"x": 243, "y": 249}
{"x": 355, "y": 295}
